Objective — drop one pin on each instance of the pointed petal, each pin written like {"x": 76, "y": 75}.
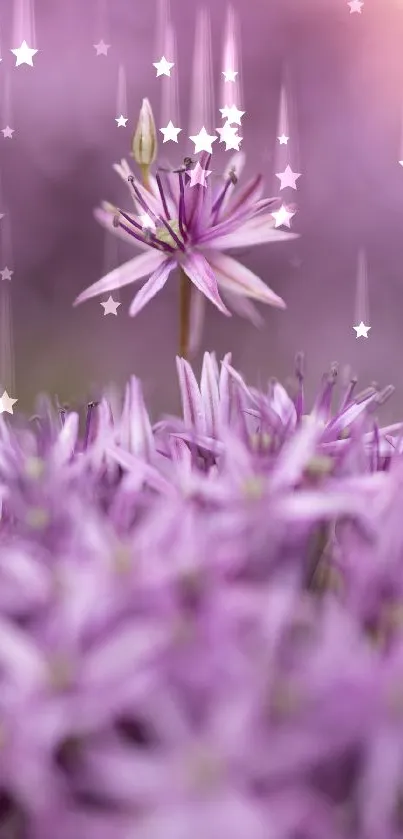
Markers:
{"x": 135, "y": 432}
{"x": 200, "y": 273}
{"x": 239, "y": 279}
{"x": 152, "y": 287}
{"x": 257, "y": 231}
{"x": 210, "y": 394}
{"x": 192, "y": 403}
{"x": 125, "y": 274}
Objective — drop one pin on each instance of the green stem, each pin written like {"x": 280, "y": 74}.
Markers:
{"x": 184, "y": 313}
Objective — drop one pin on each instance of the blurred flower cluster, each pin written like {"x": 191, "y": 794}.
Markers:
{"x": 201, "y": 620}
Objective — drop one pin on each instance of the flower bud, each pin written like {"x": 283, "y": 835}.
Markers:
{"x": 144, "y": 143}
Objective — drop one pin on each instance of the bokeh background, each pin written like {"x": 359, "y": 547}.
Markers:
{"x": 345, "y": 84}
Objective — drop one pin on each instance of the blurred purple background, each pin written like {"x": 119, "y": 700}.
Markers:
{"x": 345, "y": 79}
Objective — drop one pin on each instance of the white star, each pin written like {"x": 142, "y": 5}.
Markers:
{"x": 170, "y": 132}
{"x": 355, "y": 6}
{"x": 288, "y": 178}
{"x": 6, "y": 274}
{"x": 7, "y": 132}
{"x": 401, "y": 162}
{"x": 102, "y": 48}
{"x": 24, "y": 54}
{"x": 6, "y": 403}
{"x": 203, "y": 141}
{"x": 229, "y": 135}
{"x": 283, "y": 140}
{"x": 110, "y": 306}
{"x": 198, "y": 175}
{"x": 121, "y": 121}
{"x": 232, "y": 114}
{"x": 230, "y": 75}
{"x": 362, "y": 330}
{"x": 163, "y": 67}
{"x": 282, "y": 216}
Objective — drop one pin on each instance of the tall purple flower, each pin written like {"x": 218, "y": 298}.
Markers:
{"x": 181, "y": 223}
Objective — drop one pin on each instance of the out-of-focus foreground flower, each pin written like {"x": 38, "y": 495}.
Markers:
{"x": 200, "y": 621}
{"x": 184, "y": 220}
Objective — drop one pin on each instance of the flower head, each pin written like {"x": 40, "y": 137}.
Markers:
{"x": 179, "y": 221}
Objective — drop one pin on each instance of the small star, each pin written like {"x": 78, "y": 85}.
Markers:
{"x": 362, "y": 330}
{"x": 110, "y": 306}
{"x": 232, "y": 114}
{"x": 229, "y": 135}
{"x": 355, "y": 6}
{"x": 121, "y": 121}
{"x": 282, "y": 217}
{"x": 203, "y": 141}
{"x": 24, "y": 54}
{"x": 6, "y": 274}
{"x": 230, "y": 75}
{"x": 288, "y": 178}
{"x": 283, "y": 140}
{"x": 170, "y": 132}
{"x": 401, "y": 162}
{"x": 7, "y": 132}
{"x": 102, "y": 48}
{"x": 163, "y": 67}
{"x": 198, "y": 175}
{"x": 6, "y": 403}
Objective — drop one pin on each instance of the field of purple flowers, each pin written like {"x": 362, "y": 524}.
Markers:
{"x": 201, "y": 620}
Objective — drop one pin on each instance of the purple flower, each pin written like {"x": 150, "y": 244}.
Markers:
{"x": 177, "y": 224}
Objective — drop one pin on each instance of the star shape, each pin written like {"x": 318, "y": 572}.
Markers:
{"x": 198, "y": 175}
{"x": 7, "y": 132}
{"x": 283, "y": 140}
{"x": 24, "y": 54}
{"x": 6, "y": 403}
{"x": 6, "y": 274}
{"x": 401, "y": 162}
{"x": 288, "y": 178}
{"x": 203, "y": 141}
{"x": 121, "y": 121}
{"x": 355, "y": 6}
{"x": 163, "y": 67}
{"x": 232, "y": 114}
{"x": 170, "y": 132}
{"x": 110, "y": 306}
{"x": 102, "y": 48}
{"x": 229, "y": 135}
{"x": 362, "y": 330}
{"x": 282, "y": 216}
{"x": 229, "y": 75}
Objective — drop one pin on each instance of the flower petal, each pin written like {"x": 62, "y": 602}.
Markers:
{"x": 257, "y": 231}
{"x": 152, "y": 287}
{"x": 125, "y": 274}
{"x": 240, "y": 280}
{"x": 199, "y": 272}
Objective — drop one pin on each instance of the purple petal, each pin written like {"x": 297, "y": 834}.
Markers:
{"x": 125, "y": 274}
{"x": 239, "y": 279}
{"x": 192, "y": 403}
{"x": 152, "y": 287}
{"x": 200, "y": 273}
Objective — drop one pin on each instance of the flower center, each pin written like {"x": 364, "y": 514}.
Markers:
{"x": 163, "y": 235}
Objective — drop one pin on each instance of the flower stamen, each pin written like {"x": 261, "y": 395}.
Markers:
{"x": 154, "y": 215}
